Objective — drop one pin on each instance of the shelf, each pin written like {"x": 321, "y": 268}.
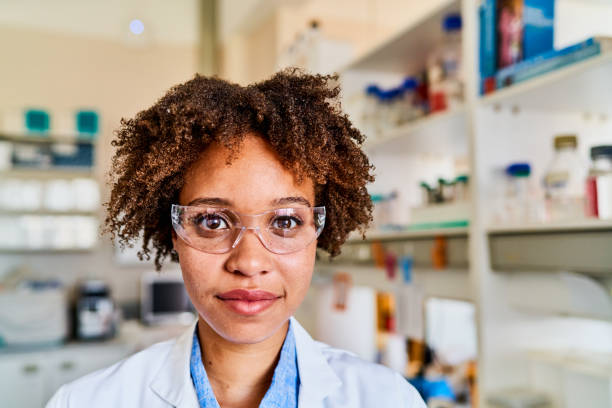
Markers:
{"x": 567, "y": 226}
{"x": 449, "y": 122}
{"x": 580, "y": 246}
{"x": 59, "y": 173}
{"x": 449, "y": 283}
{"x": 44, "y": 139}
{"x": 585, "y": 86}
{"x": 45, "y": 251}
{"x": 407, "y": 52}
{"x": 409, "y": 234}
{"x": 417, "y": 243}
{"x": 593, "y": 364}
{"x": 44, "y": 212}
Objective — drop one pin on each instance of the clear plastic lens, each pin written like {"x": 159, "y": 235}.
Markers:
{"x": 218, "y": 230}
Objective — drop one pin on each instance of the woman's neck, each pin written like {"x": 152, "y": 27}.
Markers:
{"x": 239, "y": 374}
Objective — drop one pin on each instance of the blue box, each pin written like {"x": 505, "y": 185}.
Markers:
{"x": 550, "y": 61}
{"x": 80, "y": 155}
{"x": 538, "y": 27}
{"x": 524, "y": 29}
{"x": 488, "y": 55}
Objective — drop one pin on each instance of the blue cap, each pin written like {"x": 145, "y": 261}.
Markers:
{"x": 452, "y": 22}
{"x": 395, "y": 92}
{"x": 388, "y": 95}
{"x": 372, "y": 90}
{"x": 518, "y": 170}
{"x": 409, "y": 83}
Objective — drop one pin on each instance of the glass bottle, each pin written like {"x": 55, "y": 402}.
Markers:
{"x": 564, "y": 181}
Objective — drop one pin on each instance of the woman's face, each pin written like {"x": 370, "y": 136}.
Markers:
{"x": 254, "y": 182}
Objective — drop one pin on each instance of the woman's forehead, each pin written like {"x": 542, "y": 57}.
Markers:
{"x": 254, "y": 177}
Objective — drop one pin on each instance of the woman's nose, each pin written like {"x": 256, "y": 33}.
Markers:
{"x": 249, "y": 257}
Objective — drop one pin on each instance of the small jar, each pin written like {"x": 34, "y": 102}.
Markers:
{"x": 427, "y": 194}
{"x": 408, "y": 101}
{"x": 462, "y": 188}
{"x": 447, "y": 190}
{"x": 522, "y": 203}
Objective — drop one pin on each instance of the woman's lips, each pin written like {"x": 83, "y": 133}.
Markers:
{"x": 248, "y": 302}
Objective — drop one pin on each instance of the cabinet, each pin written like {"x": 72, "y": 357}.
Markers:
{"x": 23, "y": 382}
{"x": 29, "y": 379}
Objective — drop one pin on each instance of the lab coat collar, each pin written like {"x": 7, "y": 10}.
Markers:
{"x": 317, "y": 379}
{"x": 173, "y": 380}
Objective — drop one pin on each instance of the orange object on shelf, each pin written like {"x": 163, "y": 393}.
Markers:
{"x": 385, "y": 305}
{"x": 342, "y": 284}
{"x": 472, "y": 377}
{"x": 439, "y": 257}
{"x": 378, "y": 254}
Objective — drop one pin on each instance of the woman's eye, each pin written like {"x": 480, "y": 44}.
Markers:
{"x": 212, "y": 222}
{"x": 286, "y": 222}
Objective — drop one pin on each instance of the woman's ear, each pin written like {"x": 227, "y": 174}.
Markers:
{"x": 173, "y": 253}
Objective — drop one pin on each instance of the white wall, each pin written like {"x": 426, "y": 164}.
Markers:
{"x": 577, "y": 20}
{"x": 167, "y": 22}
{"x": 363, "y": 23}
{"x": 62, "y": 68}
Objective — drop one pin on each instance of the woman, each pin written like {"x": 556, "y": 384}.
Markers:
{"x": 240, "y": 185}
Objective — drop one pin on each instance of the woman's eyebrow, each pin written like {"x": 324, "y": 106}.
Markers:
{"x": 210, "y": 201}
{"x": 292, "y": 200}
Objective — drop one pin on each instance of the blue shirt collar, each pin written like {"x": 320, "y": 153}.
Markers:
{"x": 283, "y": 391}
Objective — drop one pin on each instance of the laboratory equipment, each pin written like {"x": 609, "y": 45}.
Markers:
{"x": 164, "y": 299}
{"x": 96, "y": 316}
{"x": 31, "y": 317}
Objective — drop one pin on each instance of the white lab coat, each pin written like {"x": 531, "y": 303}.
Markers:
{"x": 159, "y": 376}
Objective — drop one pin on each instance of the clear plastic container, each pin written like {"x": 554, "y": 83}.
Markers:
{"x": 447, "y": 190}
{"x": 522, "y": 203}
{"x": 599, "y": 183}
{"x": 379, "y": 213}
{"x": 564, "y": 181}
{"x": 428, "y": 196}
{"x": 462, "y": 188}
{"x": 450, "y": 55}
{"x": 408, "y": 103}
{"x": 371, "y": 114}
{"x": 392, "y": 109}
{"x": 497, "y": 196}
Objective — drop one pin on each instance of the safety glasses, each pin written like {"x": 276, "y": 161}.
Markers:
{"x": 218, "y": 230}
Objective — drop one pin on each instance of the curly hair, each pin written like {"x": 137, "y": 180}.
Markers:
{"x": 296, "y": 113}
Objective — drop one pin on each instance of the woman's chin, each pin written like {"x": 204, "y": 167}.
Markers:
{"x": 246, "y": 331}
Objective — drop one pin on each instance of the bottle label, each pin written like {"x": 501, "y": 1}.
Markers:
{"x": 591, "y": 197}
{"x": 557, "y": 179}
